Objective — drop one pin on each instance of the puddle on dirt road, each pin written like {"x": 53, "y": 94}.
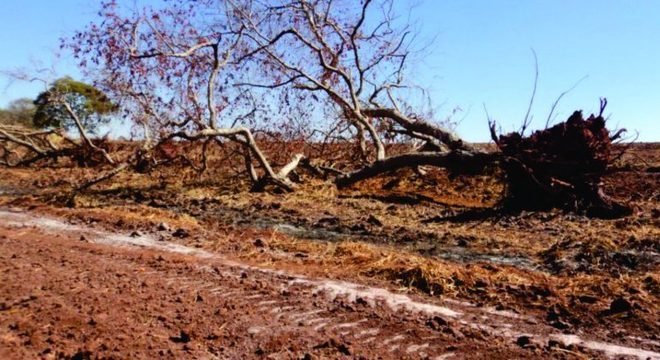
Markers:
{"x": 353, "y": 292}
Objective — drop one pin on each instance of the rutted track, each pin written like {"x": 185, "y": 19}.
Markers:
{"x": 123, "y": 296}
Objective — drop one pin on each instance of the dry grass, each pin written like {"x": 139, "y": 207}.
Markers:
{"x": 129, "y": 217}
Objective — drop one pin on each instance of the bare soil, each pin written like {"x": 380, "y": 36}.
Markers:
{"x": 176, "y": 265}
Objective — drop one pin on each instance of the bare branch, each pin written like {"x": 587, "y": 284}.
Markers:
{"x": 556, "y": 102}
{"x": 527, "y": 119}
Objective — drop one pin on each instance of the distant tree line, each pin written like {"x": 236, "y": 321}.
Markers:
{"x": 49, "y": 109}
{"x": 18, "y": 112}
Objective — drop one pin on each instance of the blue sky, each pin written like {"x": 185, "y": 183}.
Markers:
{"x": 481, "y": 55}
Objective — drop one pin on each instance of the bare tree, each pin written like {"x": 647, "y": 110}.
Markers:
{"x": 355, "y": 56}
{"x": 173, "y": 72}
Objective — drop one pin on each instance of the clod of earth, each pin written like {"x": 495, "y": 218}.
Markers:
{"x": 180, "y": 233}
{"x": 523, "y": 341}
{"x": 183, "y": 338}
{"x": 620, "y": 305}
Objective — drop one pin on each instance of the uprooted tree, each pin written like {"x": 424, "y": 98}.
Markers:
{"x": 356, "y": 57}
{"x": 217, "y": 72}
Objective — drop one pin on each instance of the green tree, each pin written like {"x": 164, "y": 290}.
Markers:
{"x": 67, "y": 98}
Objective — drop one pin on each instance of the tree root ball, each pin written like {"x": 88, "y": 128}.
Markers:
{"x": 561, "y": 166}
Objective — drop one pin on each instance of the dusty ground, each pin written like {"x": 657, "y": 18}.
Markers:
{"x": 485, "y": 285}
{"x": 73, "y": 290}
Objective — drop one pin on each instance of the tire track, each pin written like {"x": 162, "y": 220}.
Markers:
{"x": 272, "y": 307}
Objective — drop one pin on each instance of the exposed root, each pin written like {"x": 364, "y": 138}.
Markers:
{"x": 562, "y": 167}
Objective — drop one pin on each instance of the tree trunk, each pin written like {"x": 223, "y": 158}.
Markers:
{"x": 560, "y": 167}
{"x": 457, "y": 160}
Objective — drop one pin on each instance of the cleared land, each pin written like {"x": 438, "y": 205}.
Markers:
{"x": 176, "y": 265}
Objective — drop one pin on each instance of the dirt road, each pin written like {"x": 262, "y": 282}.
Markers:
{"x": 77, "y": 291}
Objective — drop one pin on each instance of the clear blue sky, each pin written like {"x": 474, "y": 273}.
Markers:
{"x": 481, "y": 55}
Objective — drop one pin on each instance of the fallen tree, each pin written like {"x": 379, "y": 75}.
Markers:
{"x": 65, "y": 105}
{"x": 559, "y": 167}
{"x": 456, "y": 161}
{"x": 358, "y": 63}
{"x": 21, "y": 146}
{"x": 211, "y": 73}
